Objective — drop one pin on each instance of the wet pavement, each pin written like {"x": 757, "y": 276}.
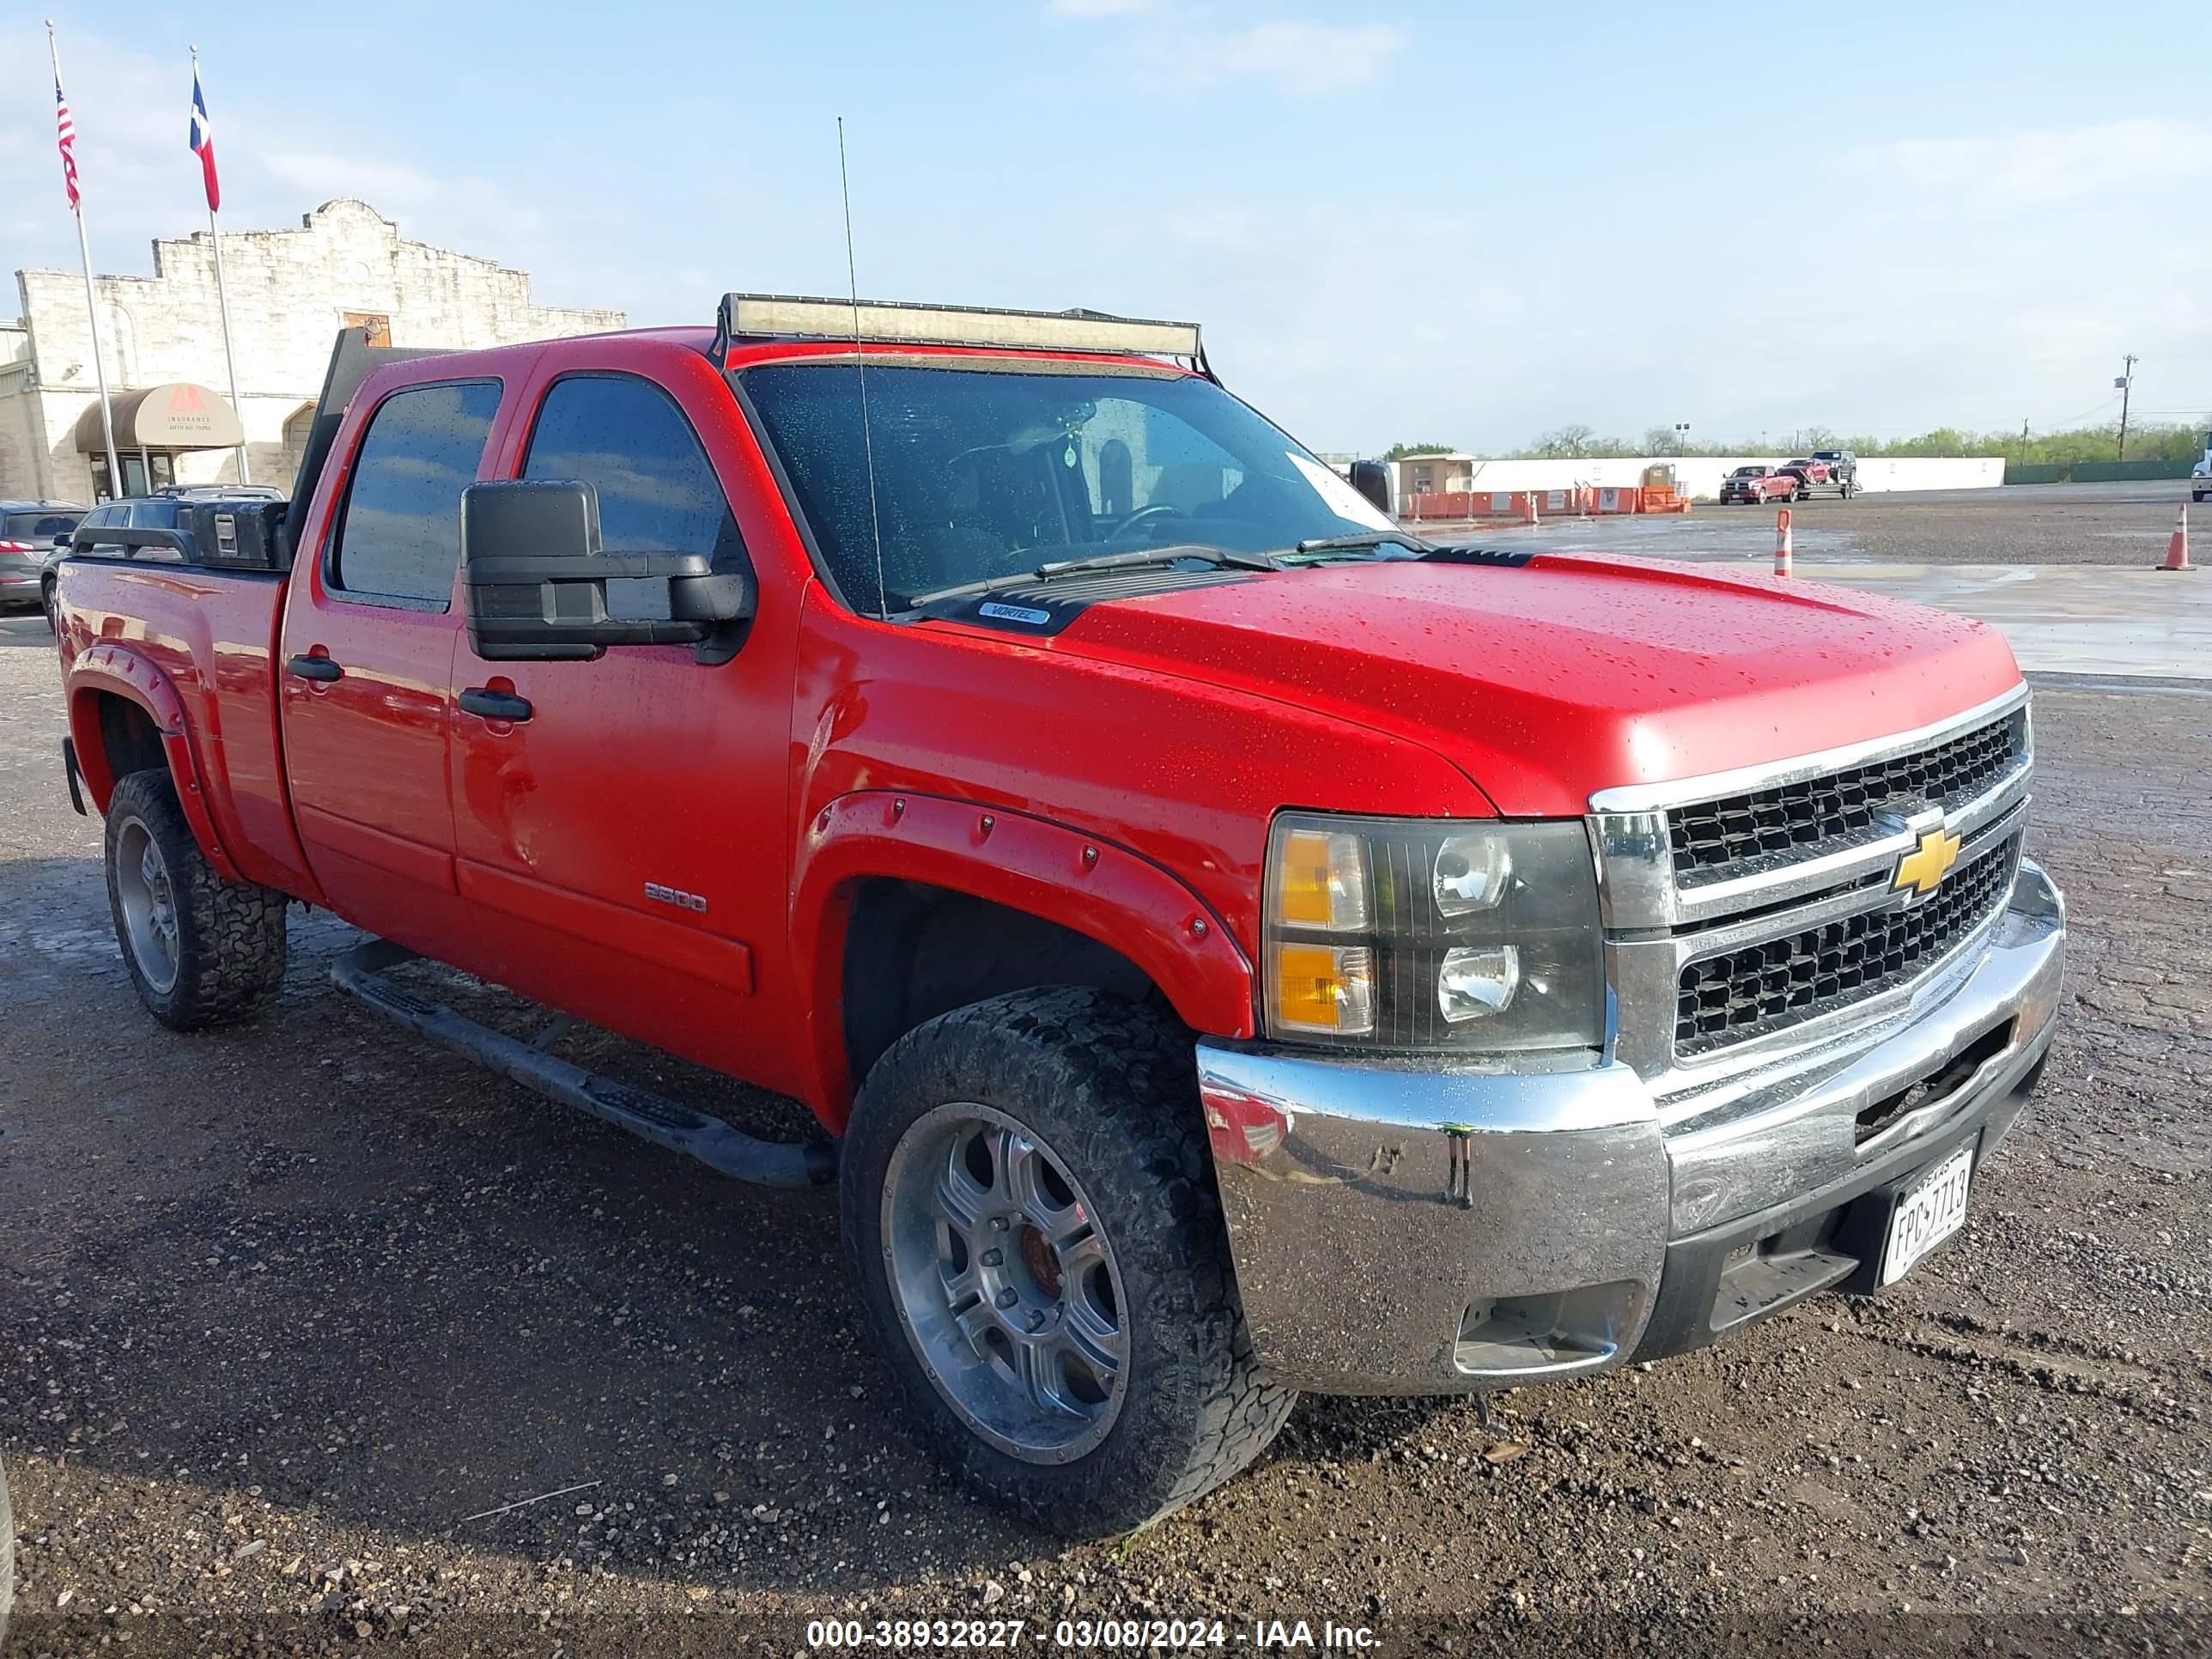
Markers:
{"x": 2066, "y": 571}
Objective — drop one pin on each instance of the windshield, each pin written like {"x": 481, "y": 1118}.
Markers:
{"x": 1750, "y": 473}
{"x": 989, "y": 472}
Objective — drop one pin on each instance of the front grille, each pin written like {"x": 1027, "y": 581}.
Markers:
{"x": 1761, "y": 988}
{"x": 1716, "y": 840}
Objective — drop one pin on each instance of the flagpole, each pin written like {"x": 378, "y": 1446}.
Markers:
{"x": 91, "y": 306}
{"x": 222, "y": 300}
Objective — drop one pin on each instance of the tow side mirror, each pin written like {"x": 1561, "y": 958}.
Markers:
{"x": 539, "y": 587}
{"x": 1372, "y": 480}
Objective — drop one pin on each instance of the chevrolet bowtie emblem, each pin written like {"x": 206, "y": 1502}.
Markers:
{"x": 1921, "y": 869}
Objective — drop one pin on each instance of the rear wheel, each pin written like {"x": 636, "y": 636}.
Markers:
{"x": 49, "y": 602}
{"x": 201, "y": 950}
{"x": 1038, "y": 1248}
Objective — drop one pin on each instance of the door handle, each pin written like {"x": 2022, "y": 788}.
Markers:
{"x": 315, "y": 668}
{"x": 494, "y": 705}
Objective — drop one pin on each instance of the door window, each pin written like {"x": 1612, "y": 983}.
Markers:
{"x": 399, "y": 538}
{"x": 627, "y": 439}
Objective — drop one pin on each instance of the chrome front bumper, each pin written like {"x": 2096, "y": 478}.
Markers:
{"x": 1400, "y": 1228}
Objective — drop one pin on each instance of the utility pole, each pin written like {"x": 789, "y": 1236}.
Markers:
{"x": 2126, "y": 384}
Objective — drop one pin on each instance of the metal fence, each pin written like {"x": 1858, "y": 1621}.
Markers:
{"x": 2094, "y": 471}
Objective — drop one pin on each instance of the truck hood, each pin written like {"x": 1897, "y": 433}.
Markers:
{"x": 1547, "y": 681}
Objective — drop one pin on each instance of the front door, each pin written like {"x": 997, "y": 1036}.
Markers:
{"x": 366, "y": 667}
{"x": 624, "y": 842}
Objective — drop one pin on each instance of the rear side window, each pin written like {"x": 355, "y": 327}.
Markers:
{"x": 628, "y": 439}
{"x": 38, "y": 526}
{"x": 399, "y": 537}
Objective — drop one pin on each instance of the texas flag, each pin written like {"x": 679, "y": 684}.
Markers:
{"x": 203, "y": 142}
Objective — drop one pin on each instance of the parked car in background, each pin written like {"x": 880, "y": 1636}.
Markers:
{"x": 2200, "y": 476}
{"x": 31, "y": 532}
{"x": 1843, "y": 467}
{"x": 1758, "y": 484}
{"x": 221, "y": 492}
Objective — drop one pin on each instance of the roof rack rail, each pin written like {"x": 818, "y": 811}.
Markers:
{"x": 898, "y": 322}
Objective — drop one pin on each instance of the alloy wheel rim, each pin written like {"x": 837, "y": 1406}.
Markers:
{"x": 1006, "y": 1282}
{"x": 149, "y": 904}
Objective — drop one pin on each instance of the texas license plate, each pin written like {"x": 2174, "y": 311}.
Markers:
{"x": 1928, "y": 1213}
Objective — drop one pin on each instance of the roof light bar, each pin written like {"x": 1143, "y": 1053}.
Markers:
{"x": 784, "y": 316}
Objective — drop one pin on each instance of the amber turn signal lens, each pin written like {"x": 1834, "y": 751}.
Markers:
{"x": 1323, "y": 989}
{"x": 1321, "y": 880}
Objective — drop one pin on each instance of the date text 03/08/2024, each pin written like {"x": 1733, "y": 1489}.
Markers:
{"x": 1124, "y": 1635}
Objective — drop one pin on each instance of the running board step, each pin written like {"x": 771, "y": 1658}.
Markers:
{"x": 654, "y": 1117}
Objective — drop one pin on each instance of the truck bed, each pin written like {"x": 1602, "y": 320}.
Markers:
{"x": 212, "y": 633}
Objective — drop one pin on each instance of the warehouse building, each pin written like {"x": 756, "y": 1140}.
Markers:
{"x": 161, "y": 337}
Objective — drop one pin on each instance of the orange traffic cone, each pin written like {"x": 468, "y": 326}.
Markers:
{"x": 1782, "y": 544}
{"x": 2177, "y": 544}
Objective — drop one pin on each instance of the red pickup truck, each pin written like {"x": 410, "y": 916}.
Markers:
{"x": 1757, "y": 485}
{"x": 1231, "y": 946}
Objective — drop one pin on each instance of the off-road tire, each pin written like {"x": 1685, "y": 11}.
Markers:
{"x": 230, "y": 934}
{"x": 7, "y": 1557}
{"x": 1112, "y": 1087}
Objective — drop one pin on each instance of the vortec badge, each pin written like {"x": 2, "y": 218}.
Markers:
{"x": 1920, "y": 870}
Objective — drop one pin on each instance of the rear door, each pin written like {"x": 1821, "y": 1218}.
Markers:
{"x": 365, "y": 665}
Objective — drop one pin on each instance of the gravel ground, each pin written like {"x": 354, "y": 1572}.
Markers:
{"x": 284, "y": 1312}
{"x": 2024, "y": 524}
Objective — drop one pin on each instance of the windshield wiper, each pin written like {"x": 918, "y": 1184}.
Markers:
{"x": 1135, "y": 559}
{"x": 1366, "y": 541}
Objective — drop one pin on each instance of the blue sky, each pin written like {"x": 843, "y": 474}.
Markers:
{"x": 1466, "y": 223}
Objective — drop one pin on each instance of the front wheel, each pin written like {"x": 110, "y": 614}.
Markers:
{"x": 1038, "y": 1247}
{"x": 202, "y": 950}
{"x": 49, "y": 602}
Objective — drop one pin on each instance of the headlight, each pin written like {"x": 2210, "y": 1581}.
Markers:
{"x": 1414, "y": 933}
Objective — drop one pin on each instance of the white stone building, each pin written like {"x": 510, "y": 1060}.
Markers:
{"x": 162, "y": 336}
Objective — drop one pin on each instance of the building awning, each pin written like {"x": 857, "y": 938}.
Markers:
{"x": 178, "y": 416}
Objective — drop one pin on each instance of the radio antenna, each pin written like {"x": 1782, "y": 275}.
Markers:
{"x": 860, "y": 367}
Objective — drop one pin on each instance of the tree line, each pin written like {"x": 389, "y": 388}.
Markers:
{"x": 2152, "y": 442}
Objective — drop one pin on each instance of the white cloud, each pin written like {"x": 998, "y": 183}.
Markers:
{"x": 1284, "y": 54}
{"x": 406, "y": 193}
{"x": 2049, "y": 165}
{"x": 1303, "y": 57}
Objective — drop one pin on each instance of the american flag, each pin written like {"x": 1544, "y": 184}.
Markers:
{"x": 66, "y": 135}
